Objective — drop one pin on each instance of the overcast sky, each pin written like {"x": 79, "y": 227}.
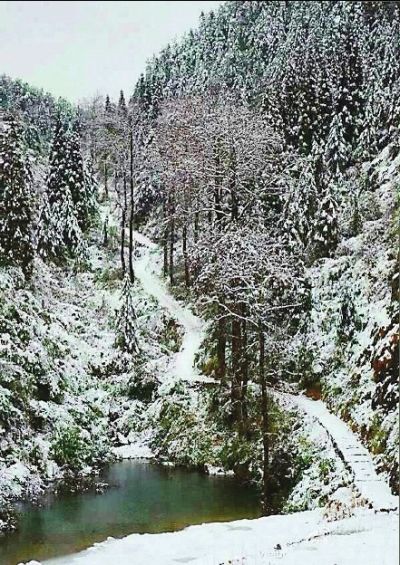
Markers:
{"x": 77, "y": 49}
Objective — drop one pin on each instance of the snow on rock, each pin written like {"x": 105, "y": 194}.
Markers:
{"x": 14, "y": 478}
{"x": 218, "y": 471}
{"x": 304, "y": 537}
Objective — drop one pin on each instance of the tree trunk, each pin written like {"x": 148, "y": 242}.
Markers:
{"x": 233, "y": 189}
{"x": 245, "y": 367}
{"x": 123, "y": 221}
{"x": 217, "y": 184}
{"x": 210, "y": 214}
{"x": 185, "y": 255}
{"x": 196, "y": 227}
{"x": 106, "y": 178}
{"x": 105, "y": 232}
{"x": 132, "y": 211}
{"x": 236, "y": 380}
{"x": 171, "y": 240}
{"x": 165, "y": 238}
{"x": 221, "y": 346}
{"x": 196, "y": 234}
{"x": 131, "y": 245}
{"x": 264, "y": 425}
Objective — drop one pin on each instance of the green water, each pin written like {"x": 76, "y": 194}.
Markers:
{"x": 142, "y": 497}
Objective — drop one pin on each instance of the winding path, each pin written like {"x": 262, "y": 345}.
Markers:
{"x": 182, "y": 366}
{"x": 356, "y": 457}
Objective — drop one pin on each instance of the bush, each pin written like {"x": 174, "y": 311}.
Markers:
{"x": 182, "y": 433}
{"x": 109, "y": 277}
{"x": 142, "y": 386}
{"x": 238, "y": 454}
{"x": 210, "y": 366}
{"x": 70, "y": 450}
{"x": 377, "y": 436}
{"x": 8, "y": 517}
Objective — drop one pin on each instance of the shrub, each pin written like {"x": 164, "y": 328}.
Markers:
{"x": 109, "y": 277}
{"x": 69, "y": 449}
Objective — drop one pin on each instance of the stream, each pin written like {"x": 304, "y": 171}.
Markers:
{"x": 143, "y": 497}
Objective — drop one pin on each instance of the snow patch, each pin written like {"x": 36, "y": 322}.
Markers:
{"x": 133, "y": 451}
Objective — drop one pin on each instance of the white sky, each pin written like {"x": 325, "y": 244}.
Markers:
{"x": 78, "y": 49}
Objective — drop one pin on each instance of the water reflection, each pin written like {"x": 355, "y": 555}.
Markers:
{"x": 143, "y": 497}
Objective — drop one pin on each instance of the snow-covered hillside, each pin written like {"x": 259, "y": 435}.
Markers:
{"x": 56, "y": 335}
{"x": 354, "y": 328}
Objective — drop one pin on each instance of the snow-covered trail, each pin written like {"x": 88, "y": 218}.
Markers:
{"x": 358, "y": 460}
{"x": 146, "y": 267}
{"x": 356, "y": 457}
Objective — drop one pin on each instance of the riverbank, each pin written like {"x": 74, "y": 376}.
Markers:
{"x": 305, "y": 537}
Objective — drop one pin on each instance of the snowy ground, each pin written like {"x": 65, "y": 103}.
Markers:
{"x": 133, "y": 451}
{"x": 303, "y": 538}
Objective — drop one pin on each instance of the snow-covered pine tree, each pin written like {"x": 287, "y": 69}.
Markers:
{"x": 122, "y": 109}
{"x": 48, "y": 239}
{"x": 300, "y": 208}
{"x": 107, "y": 105}
{"x": 325, "y": 224}
{"x": 59, "y": 229}
{"x": 126, "y": 323}
{"x": 110, "y": 131}
{"x": 76, "y": 177}
{"x": 16, "y": 198}
{"x": 110, "y": 115}
{"x": 57, "y": 177}
{"x": 336, "y": 149}
{"x": 91, "y": 189}
{"x": 67, "y": 223}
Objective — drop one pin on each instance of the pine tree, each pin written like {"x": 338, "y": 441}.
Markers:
{"x": 127, "y": 320}
{"x": 16, "y": 198}
{"x": 59, "y": 229}
{"x": 90, "y": 190}
{"x": 48, "y": 239}
{"x": 67, "y": 223}
{"x": 356, "y": 218}
{"x": 336, "y": 149}
{"x": 107, "y": 106}
{"x": 300, "y": 208}
{"x": 122, "y": 109}
{"x": 76, "y": 177}
{"x": 325, "y": 225}
{"x": 57, "y": 182}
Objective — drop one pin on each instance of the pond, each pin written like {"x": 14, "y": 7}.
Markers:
{"x": 142, "y": 497}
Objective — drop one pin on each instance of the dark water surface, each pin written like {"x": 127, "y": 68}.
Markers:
{"x": 142, "y": 497}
